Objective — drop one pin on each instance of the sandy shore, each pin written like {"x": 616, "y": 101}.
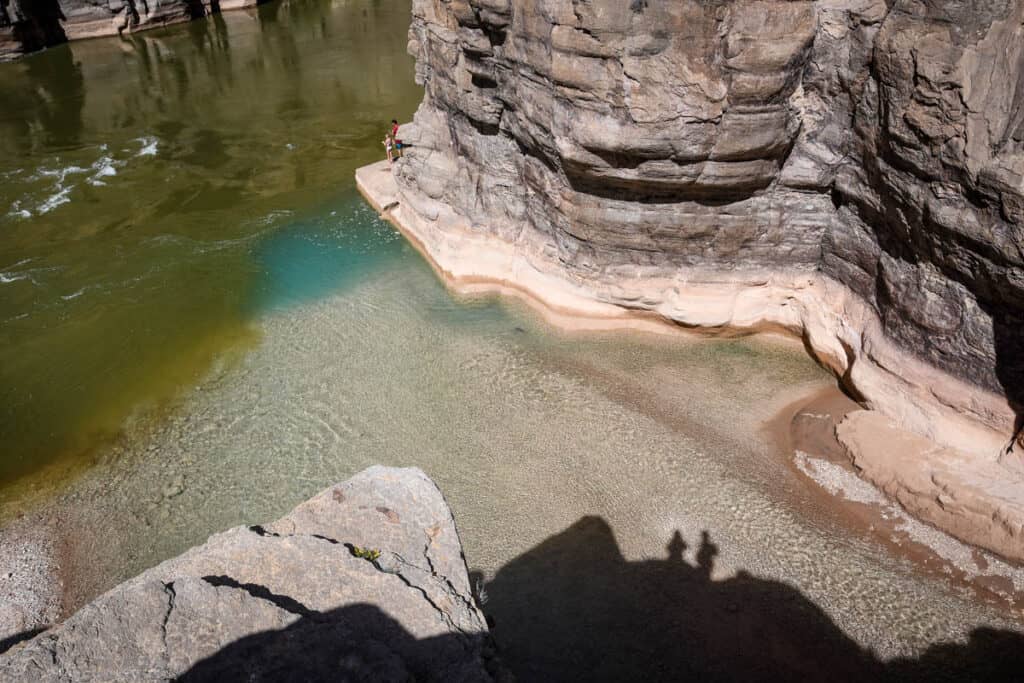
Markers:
{"x": 957, "y": 428}
{"x": 805, "y": 435}
{"x": 31, "y": 589}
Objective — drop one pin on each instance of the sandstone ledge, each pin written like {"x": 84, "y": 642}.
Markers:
{"x": 980, "y": 503}
{"x": 366, "y": 581}
{"x": 837, "y": 328}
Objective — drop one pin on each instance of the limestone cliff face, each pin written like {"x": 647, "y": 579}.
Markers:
{"x": 29, "y": 25}
{"x": 877, "y": 146}
{"x": 364, "y": 582}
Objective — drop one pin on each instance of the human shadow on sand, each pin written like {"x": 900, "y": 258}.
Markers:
{"x": 574, "y": 609}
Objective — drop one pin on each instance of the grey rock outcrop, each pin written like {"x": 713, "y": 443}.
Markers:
{"x": 872, "y": 148}
{"x": 30, "y": 25}
{"x": 366, "y": 581}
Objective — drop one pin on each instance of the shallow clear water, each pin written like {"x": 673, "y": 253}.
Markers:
{"x": 284, "y": 337}
{"x": 526, "y": 430}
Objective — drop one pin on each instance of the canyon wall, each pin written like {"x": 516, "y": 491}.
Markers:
{"x": 850, "y": 170}
{"x": 365, "y": 581}
{"x": 30, "y": 25}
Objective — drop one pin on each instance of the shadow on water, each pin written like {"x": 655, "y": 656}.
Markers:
{"x": 574, "y": 609}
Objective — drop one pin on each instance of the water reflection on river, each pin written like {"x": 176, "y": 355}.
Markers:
{"x": 139, "y": 177}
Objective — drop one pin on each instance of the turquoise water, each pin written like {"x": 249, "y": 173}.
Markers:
{"x": 334, "y": 247}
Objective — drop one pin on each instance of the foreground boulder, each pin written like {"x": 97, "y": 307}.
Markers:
{"x": 366, "y": 581}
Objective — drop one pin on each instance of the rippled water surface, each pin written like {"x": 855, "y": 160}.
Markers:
{"x": 143, "y": 185}
{"x": 196, "y": 304}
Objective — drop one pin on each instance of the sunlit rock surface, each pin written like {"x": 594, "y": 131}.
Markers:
{"x": 366, "y": 581}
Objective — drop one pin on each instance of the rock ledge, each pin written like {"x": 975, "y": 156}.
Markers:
{"x": 366, "y": 581}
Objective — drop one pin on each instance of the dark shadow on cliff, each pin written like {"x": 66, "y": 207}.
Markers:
{"x": 970, "y": 253}
{"x": 573, "y": 608}
{"x": 355, "y": 643}
{"x": 1008, "y": 339}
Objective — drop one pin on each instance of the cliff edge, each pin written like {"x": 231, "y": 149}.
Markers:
{"x": 366, "y": 581}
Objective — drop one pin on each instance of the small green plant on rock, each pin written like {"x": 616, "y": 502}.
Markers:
{"x": 368, "y": 554}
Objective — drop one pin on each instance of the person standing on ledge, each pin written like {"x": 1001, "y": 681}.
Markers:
{"x": 394, "y": 136}
{"x": 387, "y": 147}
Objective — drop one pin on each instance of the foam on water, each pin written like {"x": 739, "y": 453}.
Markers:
{"x": 61, "y": 196}
{"x": 51, "y": 185}
{"x": 149, "y": 146}
{"x": 105, "y": 167}
{"x": 73, "y": 295}
{"x": 17, "y": 212}
{"x": 12, "y": 277}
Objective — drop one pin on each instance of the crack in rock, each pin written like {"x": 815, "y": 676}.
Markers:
{"x": 445, "y": 617}
{"x": 451, "y": 589}
{"x": 325, "y": 538}
{"x": 171, "y": 597}
{"x": 260, "y": 592}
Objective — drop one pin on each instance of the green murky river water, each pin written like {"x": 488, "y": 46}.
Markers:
{"x": 202, "y": 324}
{"x": 143, "y": 186}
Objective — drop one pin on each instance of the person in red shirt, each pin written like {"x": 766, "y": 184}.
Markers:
{"x": 394, "y": 136}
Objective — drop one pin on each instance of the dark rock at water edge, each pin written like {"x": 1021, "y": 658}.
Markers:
{"x": 30, "y": 25}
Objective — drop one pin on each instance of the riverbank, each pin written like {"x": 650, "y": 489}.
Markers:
{"x": 30, "y": 26}
{"x": 834, "y": 325}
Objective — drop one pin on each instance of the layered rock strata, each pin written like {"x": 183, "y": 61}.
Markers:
{"x": 366, "y": 581}
{"x": 851, "y": 171}
{"x": 29, "y": 25}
